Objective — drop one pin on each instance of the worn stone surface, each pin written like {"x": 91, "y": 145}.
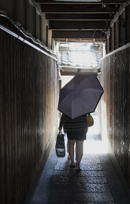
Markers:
{"x": 99, "y": 182}
{"x": 88, "y": 186}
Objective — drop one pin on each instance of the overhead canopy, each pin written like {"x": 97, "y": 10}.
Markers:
{"x": 79, "y": 19}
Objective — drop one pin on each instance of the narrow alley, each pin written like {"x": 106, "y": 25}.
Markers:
{"x": 99, "y": 182}
{"x": 44, "y": 44}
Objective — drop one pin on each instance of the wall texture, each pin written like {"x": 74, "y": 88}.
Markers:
{"x": 28, "y": 109}
{"x": 116, "y": 82}
{"x": 25, "y": 14}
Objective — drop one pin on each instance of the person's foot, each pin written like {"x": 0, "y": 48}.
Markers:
{"x": 78, "y": 169}
{"x": 72, "y": 165}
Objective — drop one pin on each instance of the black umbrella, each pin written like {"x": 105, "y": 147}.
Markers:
{"x": 80, "y": 96}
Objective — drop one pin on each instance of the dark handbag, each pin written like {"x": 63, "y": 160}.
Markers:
{"x": 60, "y": 145}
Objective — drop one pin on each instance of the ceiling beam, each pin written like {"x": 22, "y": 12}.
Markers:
{"x": 81, "y": 39}
{"x": 83, "y": 17}
{"x": 79, "y": 34}
{"x": 77, "y": 8}
{"x": 76, "y": 25}
{"x": 77, "y": 71}
{"x": 81, "y": 2}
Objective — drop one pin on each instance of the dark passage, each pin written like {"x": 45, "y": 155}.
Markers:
{"x": 30, "y": 81}
{"x": 99, "y": 182}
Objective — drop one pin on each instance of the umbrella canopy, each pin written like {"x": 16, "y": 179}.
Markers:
{"x": 80, "y": 96}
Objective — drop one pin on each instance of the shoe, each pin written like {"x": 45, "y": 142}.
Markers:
{"x": 72, "y": 166}
{"x": 78, "y": 170}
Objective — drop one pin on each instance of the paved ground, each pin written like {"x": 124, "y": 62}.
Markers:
{"x": 99, "y": 182}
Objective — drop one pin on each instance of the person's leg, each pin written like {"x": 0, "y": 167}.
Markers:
{"x": 71, "y": 150}
{"x": 68, "y": 149}
{"x": 79, "y": 152}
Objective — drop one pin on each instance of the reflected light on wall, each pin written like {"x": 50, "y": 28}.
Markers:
{"x": 95, "y": 147}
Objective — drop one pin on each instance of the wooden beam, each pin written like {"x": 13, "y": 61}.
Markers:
{"x": 113, "y": 38}
{"x": 81, "y": 39}
{"x": 83, "y": 17}
{"x": 122, "y": 29}
{"x": 117, "y": 34}
{"x": 77, "y": 8}
{"x": 120, "y": 11}
{"x": 79, "y": 34}
{"x": 81, "y": 2}
{"x": 77, "y": 71}
{"x": 127, "y": 24}
{"x": 76, "y": 25}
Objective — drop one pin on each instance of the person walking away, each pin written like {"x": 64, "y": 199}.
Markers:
{"x": 76, "y": 130}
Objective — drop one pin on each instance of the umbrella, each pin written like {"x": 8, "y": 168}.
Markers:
{"x": 80, "y": 96}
